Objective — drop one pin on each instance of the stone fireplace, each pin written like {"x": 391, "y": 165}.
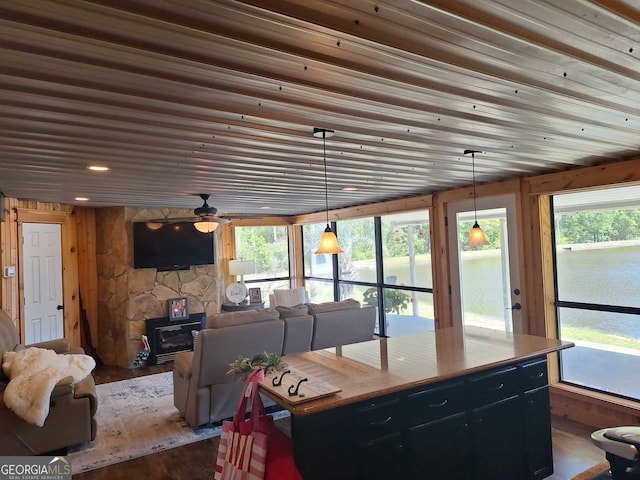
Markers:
{"x": 128, "y": 296}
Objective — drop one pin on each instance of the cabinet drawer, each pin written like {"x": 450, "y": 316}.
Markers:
{"x": 494, "y": 386}
{"x": 378, "y": 419}
{"x": 534, "y": 374}
{"x": 428, "y": 404}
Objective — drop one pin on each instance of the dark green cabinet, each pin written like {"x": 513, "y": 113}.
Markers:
{"x": 497, "y": 441}
{"x": 493, "y": 425}
{"x": 440, "y": 449}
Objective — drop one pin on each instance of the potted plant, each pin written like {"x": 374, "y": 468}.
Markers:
{"x": 394, "y": 300}
{"x": 243, "y": 366}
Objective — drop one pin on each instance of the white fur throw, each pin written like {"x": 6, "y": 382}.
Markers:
{"x": 33, "y": 373}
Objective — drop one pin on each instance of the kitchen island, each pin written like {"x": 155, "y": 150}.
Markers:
{"x": 451, "y": 404}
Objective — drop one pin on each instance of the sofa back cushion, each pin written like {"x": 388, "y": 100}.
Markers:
{"x": 216, "y": 348}
{"x": 244, "y": 317}
{"x": 342, "y": 327}
{"x": 295, "y": 311}
{"x": 315, "y": 308}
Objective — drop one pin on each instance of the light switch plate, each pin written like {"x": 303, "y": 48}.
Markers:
{"x": 9, "y": 272}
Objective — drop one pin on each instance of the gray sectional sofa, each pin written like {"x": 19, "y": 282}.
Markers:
{"x": 205, "y": 393}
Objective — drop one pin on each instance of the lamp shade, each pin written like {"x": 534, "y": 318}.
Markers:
{"x": 328, "y": 242}
{"x": 242, "y": 267}
{"x": 205, "y": 227}
{"x": 476, "y": 236}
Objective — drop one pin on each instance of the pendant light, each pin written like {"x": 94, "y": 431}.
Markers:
{"x": 328, "y": 240}
{"x": 476, "y": 235}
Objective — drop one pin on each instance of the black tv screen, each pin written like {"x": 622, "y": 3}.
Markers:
{"x": 175, "y": 246}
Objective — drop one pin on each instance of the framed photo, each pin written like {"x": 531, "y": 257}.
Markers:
{"x": 255, "y": 296}
{"x": 178, "y": 308}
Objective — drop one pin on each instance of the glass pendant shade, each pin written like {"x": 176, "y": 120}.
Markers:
{"x": 205, "y": 227}
{"x": 476, "y": 236}
{"x": 328, "y": 242}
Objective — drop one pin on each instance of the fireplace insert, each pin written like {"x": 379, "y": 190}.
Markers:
{"x": 168, "y": 337}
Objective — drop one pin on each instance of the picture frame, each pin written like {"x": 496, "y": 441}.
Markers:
{"x": 178, "y": 308}
{"x": 255, "y": 295}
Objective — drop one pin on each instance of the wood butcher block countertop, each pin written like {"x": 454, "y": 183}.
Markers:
{"x": 387, "y": 365}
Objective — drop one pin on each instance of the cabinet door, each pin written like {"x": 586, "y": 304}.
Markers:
{"x": 382, "y": 459}
{"x": 440, "y": 449}
{"x": 537, "y": 430}
{"x": 497, "y": 438}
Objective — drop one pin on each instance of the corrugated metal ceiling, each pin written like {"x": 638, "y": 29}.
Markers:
{"x": 185, "y": 97}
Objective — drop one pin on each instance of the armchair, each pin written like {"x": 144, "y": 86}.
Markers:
{"x": 71, "y": 413}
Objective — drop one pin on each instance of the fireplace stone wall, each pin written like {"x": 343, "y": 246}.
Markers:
{"x": 128, "y": 296}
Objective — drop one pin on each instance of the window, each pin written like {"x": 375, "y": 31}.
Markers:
{"x": 407, "y": 281}
{"x": 391, "y": 254}
{"x": 269, "y": 248}
{"x": 597, "y": 263}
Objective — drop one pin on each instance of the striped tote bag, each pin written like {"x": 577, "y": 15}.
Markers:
{"x": 242, "y": 454}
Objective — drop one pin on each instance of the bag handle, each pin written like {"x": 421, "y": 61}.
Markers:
{"x": 250, "y": 390}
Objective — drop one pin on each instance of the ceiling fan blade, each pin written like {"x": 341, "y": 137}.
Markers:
{"x": 173, "y": 220}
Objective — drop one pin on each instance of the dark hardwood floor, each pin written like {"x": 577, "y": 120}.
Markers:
{"x": 573, "y": 451}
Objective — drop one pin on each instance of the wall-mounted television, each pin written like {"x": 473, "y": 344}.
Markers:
{"x": 174, "y": 246}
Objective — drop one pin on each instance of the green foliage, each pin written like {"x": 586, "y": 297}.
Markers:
{"x": 602, "y": 226}
{"x": 394, "y": 300}
{"x": 243, "y": 366}
{"x": 268, "y": 246}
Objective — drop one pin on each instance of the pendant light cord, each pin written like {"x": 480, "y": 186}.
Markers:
{"x": 326, "y": 186}
{"x": 473, "y": 168}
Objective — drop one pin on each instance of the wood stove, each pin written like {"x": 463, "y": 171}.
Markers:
{"x": 168, "y": 337}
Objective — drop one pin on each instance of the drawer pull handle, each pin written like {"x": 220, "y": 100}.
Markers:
{"x": 438, "y": 405}
{"x": 540, "y": 375}
{"x": 381, "y": 422}
{"x": 499, "y": 387}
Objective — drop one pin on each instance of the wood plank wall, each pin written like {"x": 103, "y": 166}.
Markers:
{"x": 74, "y": 243}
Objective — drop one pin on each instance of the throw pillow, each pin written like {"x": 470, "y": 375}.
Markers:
{"x": 315, "y": 308}
{"x": 295, "y": 311}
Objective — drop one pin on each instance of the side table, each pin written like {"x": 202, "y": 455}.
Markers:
{"x": 232, "y": 307}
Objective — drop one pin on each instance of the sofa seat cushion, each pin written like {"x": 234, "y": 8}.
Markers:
{"x": 243, "y": 317}
{"x": 292, "y": 312}
{"x": 315, "y": 308}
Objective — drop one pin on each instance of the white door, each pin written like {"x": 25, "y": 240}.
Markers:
{"x": 42, "y": 267}
{"x": 485, "y": 289}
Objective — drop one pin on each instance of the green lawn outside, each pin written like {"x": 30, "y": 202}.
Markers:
{"x": 596, "y": 336}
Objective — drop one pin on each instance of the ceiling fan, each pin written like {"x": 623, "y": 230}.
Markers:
{"x": 204, "y": 220}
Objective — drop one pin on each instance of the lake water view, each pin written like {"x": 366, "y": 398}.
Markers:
{"x": 609, "y": 276}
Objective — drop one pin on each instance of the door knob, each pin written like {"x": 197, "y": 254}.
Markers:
{"x": 60, "y": 307}
{"x": 516, "y": 306}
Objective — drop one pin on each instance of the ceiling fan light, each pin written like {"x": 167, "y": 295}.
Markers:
{"x": 205, "y": 226}
{"x": 476, "y": 236}
{"x": 328, "y": 242}
{"x": 154, "y": 225}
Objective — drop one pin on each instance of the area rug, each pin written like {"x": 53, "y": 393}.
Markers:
{"x": 136, "y": 417}
{"x": 597, "y": 472}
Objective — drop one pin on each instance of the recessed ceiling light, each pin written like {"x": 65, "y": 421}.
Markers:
{"x": 349, "y": 189}
{"x": 98, "y": 168}
{"x": 82, "y": 199}
{"x": 265, "y": 208}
